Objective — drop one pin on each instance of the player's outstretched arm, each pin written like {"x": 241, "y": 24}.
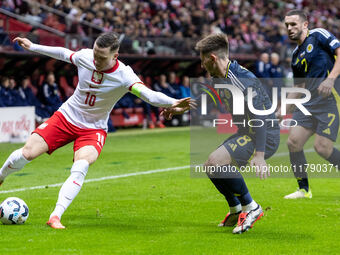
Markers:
{"x": 53, "y": 52}
{"x": 161, "y": 100}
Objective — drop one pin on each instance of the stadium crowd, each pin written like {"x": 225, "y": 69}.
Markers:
{"x": 250, "y": 24}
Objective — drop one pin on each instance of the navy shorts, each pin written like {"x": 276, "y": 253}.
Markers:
{"x": 242, "y": 147}
{"x": 324, "y": 120}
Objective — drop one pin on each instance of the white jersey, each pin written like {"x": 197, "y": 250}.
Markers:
{"x": 97, "y": 92}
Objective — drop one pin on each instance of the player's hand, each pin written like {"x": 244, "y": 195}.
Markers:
{"x": 168, "y": 113}
{"x": 185, "y": 104}
{"x": 179, "y": 107}
{"x": 325, "y": 88}
{"x": 261, "y": 165}
{"x": 23, "y": 42}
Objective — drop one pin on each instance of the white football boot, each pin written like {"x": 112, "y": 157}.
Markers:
{"x": 300, "y": 193}
{"x": 246, "y": 220}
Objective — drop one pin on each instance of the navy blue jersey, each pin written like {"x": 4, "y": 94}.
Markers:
{"x": 313, "y": 60}
{"x": 243, "y": 79}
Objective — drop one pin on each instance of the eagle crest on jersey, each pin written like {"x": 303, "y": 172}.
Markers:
{"x": 97, "y": 77}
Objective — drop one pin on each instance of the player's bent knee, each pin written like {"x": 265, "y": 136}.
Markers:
{"x": 323, "y": 149}
{"x": 213, "y": 160}
{"x": 30, "y": 152}
{"x": 88, "y": 153}
{"x": 218, "y": 159}
{"x": 294, "y": 144}
{"x": 34, "y": 147}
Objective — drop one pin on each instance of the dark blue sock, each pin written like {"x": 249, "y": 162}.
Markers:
{"x": 232, "y": 180}
{"x": 223, "y": 189}
{"x": 334, "y": 158}
{"x": 298, "y": 161}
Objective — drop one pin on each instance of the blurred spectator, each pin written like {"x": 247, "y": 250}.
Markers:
{"x": 185, "y": 87}
{"x": 30, "y": 99}
{"x": 164, "y": 87}
{"x": 4, "y": 39}
{"x": 17, "y": 99}
{"x": 263, "y": 66}
{"x": 5, "y": 93}
{"x": 2, "y": 104}
{"x": 174, "y": 84}
{"x": 276, "y": 73}
{"x": 262, "y": 71}
{"x": 49, "y": 94}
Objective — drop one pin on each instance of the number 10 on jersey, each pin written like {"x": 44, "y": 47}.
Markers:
{"x": 90, "y": 99}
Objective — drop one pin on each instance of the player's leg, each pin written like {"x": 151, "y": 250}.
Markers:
{"x": 87, "y": 149}
{"x": 229, "y": 181}
{"x": 325, "y": 148}
{"x": 34, "y": 147}
{"x": 221, "y": 157}
{"x": 42, "y": 140}
{"x": 326, "y": 134}
{"x": 297, "y": 138}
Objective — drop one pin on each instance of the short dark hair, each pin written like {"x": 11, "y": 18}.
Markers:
{"x": 109, "y": 39}
{"x": 217, "y": 43}
{"x": 300, "y": 13}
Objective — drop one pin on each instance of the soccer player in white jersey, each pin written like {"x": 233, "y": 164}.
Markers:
{"x": 103, "y": 80}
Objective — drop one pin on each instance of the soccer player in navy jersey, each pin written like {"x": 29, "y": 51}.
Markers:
{"x": 314, "y": 68}
{"x": 249, "y": 145}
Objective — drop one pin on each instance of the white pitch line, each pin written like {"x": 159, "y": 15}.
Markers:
{"x": 100, "y": 179}
{"x": 280, "y": 154}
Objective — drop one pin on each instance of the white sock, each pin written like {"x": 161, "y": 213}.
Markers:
{"x": 71, "y": 187}
{"x": 14, "y": 163}
{"x": 235, "y": 209}
{"x": 251, "y": 206}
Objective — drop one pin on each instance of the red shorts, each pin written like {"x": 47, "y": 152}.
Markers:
{"x": 57, "y": 132}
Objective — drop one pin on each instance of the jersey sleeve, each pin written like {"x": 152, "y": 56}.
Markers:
{"x": 53, "y": 52}
{"x": 130, "y": 78}
{"x": 75, "y": 56}
{"x": 327, "y": 40}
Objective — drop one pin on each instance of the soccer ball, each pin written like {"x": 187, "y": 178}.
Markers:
{"x": 13, "y": 210}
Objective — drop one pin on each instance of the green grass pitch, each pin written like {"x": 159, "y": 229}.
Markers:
{"x": 163, "y": 212}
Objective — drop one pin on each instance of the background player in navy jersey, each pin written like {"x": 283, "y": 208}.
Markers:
{"x": 260, "y": 142}
{"x": 314, "y": 68}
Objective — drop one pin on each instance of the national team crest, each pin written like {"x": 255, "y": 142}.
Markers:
{"x": 309, "y": 48}
{"x": 97, "y": 77}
